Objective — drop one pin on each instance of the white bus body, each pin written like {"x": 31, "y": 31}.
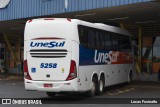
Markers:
{"x": 56, "y": 61}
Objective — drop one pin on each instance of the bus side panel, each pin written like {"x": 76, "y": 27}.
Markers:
{"x": 87, "y": 68}
{"x": 75, "y": 57}
{"x": 118, "y": 73}
{"x": 82, "y": 85}
{"x": 107, "y": 73}
{"x": 116, "y": 68}
{"x": 86, "y": 74}
{"x": 114, "y": 74}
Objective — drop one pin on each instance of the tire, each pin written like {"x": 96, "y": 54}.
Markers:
{"x": 50, "y": 94}
{"x": 100, "y": 86}
{"x": 93, "y": 90}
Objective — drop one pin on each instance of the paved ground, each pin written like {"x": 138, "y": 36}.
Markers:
{"x": 15, "y": 89}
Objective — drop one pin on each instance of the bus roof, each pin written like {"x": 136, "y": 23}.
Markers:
{"x": 89, "y": 24}
{"x": 102, "y": 26}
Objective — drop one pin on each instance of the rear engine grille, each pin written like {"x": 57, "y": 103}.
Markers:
{"x": 48, "y": 53}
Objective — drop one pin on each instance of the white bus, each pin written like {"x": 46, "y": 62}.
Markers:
{"x": 70, "y": 55}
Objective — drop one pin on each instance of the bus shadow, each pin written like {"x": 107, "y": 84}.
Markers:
{"x": 65, "y": 99}
{"x": 115, "y": 87}
{"x": 78, "y": 98}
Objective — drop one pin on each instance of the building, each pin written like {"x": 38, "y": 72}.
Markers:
{"x": 140, "y": 17}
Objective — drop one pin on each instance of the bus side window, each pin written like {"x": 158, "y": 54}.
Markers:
{"x": 83, "y": 35}
{"x": 120, "y": 43}
{"x": 97, "y": 40}
{"x": 114, "y": 42}
{"x": 102, "y": 42}
{"x": 91, "y": 39}
{"x": 108, "y": 41}
{"x": 125, "y": 43}
{"x": 128, "y": 44}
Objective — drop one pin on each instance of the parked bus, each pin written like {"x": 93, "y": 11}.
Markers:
{"x": 70, "y": 55}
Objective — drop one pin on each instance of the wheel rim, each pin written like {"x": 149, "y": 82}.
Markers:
{"x": 101, "y": 86}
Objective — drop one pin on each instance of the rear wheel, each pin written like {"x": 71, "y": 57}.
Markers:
{"x": 50, "y": 94}
{"x": 93, "y": 84}
{"x": 100, "y": 86}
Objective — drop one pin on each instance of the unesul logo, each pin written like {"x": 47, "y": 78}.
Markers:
{"x": 47, "y": 44}
{"x": 4, "y": 3}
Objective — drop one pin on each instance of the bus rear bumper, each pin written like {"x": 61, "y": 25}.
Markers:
{"x": 61, "y": 86}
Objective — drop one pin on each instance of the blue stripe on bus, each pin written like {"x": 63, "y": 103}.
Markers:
{"x": 86, "y": 56}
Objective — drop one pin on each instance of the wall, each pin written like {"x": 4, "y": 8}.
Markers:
{"x": 30, "y": 8}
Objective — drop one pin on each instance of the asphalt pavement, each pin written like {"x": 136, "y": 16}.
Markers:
{"x": 138, "y": 89}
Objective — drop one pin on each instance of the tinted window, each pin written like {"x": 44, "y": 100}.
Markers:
{"x": 83, "y": 35}
{"x": 108, "y": 41}
{"x": 91, "y": 39}
{"x": 99, "y": 39}
{"x": 114, "y": 41}
{"x": 124, "y": 43}
{"x": 102, "y": 41}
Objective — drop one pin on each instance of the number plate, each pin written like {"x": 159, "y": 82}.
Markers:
{"x": 48, "y": 85}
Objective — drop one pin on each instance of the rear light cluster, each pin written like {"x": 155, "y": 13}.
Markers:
{"x": 73, "y": 71}
{"x": 26, "y": 73}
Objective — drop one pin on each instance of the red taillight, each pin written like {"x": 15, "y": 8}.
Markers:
{"x": 73, "y": 71}
{"x": 25, "y": 68}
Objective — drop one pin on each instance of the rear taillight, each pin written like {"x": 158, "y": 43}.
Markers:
{"x": 26, "y": 73}
{"x": 73, "y": 71}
